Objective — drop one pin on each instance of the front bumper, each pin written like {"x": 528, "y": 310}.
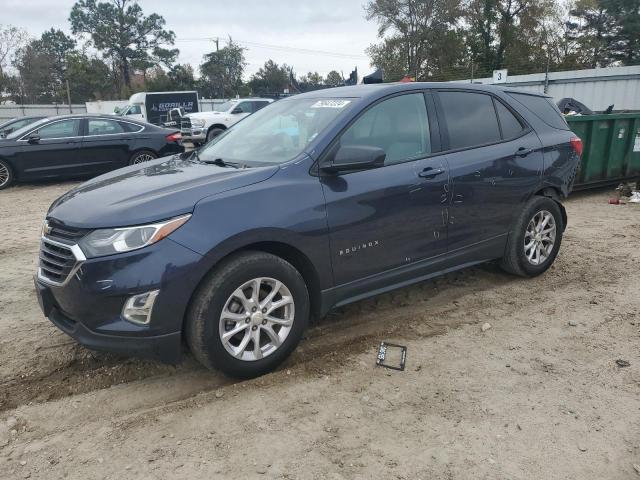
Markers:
{"x": 88, "y": 307}
{"x": 194, "y": 135}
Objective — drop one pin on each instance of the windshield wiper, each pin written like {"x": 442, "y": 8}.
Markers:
{"x": 221, "y": 163}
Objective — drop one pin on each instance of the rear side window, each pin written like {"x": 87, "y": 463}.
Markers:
{"x": 543, "y": 108}
{"x": 511, "y": 126}
{"x": 103, "y": 127}
{"x": 130, "y": 127}
{"x": 471, "y": 119}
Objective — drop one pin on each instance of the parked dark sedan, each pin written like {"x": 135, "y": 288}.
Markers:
{"x": 81, "y": 145}
{"x": 14, "y": 124}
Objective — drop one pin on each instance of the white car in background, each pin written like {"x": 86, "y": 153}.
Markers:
{"x": 201, "y": 127}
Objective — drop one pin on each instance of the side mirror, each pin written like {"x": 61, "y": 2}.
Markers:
{"x": 355, "y": 157}
{"x": 33, "y": 138}
{"x": 237, "y": 110}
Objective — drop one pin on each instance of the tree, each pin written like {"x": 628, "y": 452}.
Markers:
{"x": 511, "y": 33}
{"x": 413, "y": 32}
{"x": 90, "y": 78}
{"x": 270, "y": 79}
{"x": 34, "y": 67}
{"x": 590, "y": 25}
{"x": 221, "y": 71}
{"x": 120, "y": 30}
{"x": 334, "y": 79}
{"x": 12, "y": 39}
{"x": 625, "y": 46}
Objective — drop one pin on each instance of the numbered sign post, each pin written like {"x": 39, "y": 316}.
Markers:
{"x": 500, "y": 76}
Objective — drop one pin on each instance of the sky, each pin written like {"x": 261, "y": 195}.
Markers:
{"x": 310, "y": 35}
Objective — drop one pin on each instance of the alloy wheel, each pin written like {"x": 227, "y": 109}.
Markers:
{"x": 540, "y": 238}
{"x": 5, "y": 175}
{"x": 256, "y": 319}
{"x": 143, "y": 157}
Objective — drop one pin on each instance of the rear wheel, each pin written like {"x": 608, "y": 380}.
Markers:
{"x": 6, "y": 175}
{"x": 142, "y": 156}
{"x": 213, "y": 133}
{"x": 249, "y": 315}
{"x": 535, "y": 240}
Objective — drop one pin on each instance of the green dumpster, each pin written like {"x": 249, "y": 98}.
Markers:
{"x": 611, "y": 148}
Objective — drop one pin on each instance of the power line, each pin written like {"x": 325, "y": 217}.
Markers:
{"x": 281, "y": 48}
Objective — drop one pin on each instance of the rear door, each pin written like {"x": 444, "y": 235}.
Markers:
{"x": 54, "y": 153}
{"x": 384, "y": 218}
{"x": 495, "y": 162}
{"x": 107, "y": 144}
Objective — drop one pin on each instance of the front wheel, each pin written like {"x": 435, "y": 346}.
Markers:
{"x": 248, "y": 315}
{"x": 535, "y": 240}
{"x": 213, "y": 133}
{"x": 6, "y": 175}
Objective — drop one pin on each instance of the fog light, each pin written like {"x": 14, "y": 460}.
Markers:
{"x": 138, "y": 308}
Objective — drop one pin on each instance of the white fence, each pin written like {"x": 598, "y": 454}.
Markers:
{"x": 597, "y": 88}
{"x": 12, "y": 111}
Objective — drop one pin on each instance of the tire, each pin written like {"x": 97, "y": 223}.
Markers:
{"x": 218, "y": 296}
{"x": 6, "y": 175}
{"x": 213, "y": 133}
{"x": 142, "y": 156}
{"x": 524, "y": 262}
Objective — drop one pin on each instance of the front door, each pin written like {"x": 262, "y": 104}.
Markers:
{"x": 494, "y": 161}
{"x": 385, "y": 218}
{"x": 52, "y": 150}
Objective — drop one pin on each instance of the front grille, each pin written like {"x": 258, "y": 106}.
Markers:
{"x": 58, "y": 261}
{"x": 185, "y": 125}
{"x": 58, "y": 231}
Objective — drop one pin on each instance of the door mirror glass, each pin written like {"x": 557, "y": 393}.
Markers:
{"x": 356, "y": 157}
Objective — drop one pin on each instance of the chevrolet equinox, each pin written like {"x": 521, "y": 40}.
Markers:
{"x": 313, "y": 202}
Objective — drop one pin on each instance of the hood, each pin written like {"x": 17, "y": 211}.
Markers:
{"x": 160, "y": 189}
{"x": 205, "y": 115}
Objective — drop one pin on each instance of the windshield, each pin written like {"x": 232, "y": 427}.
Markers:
{"x": 224, "y": 107}
{"x": 276, "y": 133}
{"x": 25, "y": 129}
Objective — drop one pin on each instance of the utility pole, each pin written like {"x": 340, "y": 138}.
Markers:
{"x": 472, "y": 65}
{"x": 69, "y": 95}
{"x": 546, "y": 74}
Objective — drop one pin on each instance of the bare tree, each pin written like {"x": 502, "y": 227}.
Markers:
{"x": 11, "y": 40}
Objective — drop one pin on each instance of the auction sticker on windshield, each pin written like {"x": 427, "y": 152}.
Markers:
{"x": 331, "y": 104}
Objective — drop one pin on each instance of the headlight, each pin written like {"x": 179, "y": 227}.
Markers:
{"x": 197, "y": 122}
{"x": 116, "y": 240}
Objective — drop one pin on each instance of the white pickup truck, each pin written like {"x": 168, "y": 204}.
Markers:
{"x": 201, "y": 127}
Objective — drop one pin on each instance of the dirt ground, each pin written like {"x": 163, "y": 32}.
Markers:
{"x": 537, "y": 396}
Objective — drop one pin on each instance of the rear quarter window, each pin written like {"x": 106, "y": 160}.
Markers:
{"x": 543, "y": 108}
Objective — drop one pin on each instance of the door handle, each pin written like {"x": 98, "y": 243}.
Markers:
{"x": 523, "y": 152}
{"x": 430, "y": 172}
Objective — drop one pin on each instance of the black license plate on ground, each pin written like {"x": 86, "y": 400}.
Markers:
{"x": 391, "y": 356}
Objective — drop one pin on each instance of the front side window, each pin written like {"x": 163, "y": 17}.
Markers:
{"x": 134, "y": 110}
{"x": 62, "y": 129}
{"x": 470, "y": 118}
{"x": 399, "y": 126}
{"x": 276, "y": 133}
{"x": 103, "y": 127}
{"x": 243, "y": 107}
{"x": 258, "y": 105}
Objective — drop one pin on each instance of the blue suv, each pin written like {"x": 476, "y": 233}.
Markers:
{"x": 313, "y": 202}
